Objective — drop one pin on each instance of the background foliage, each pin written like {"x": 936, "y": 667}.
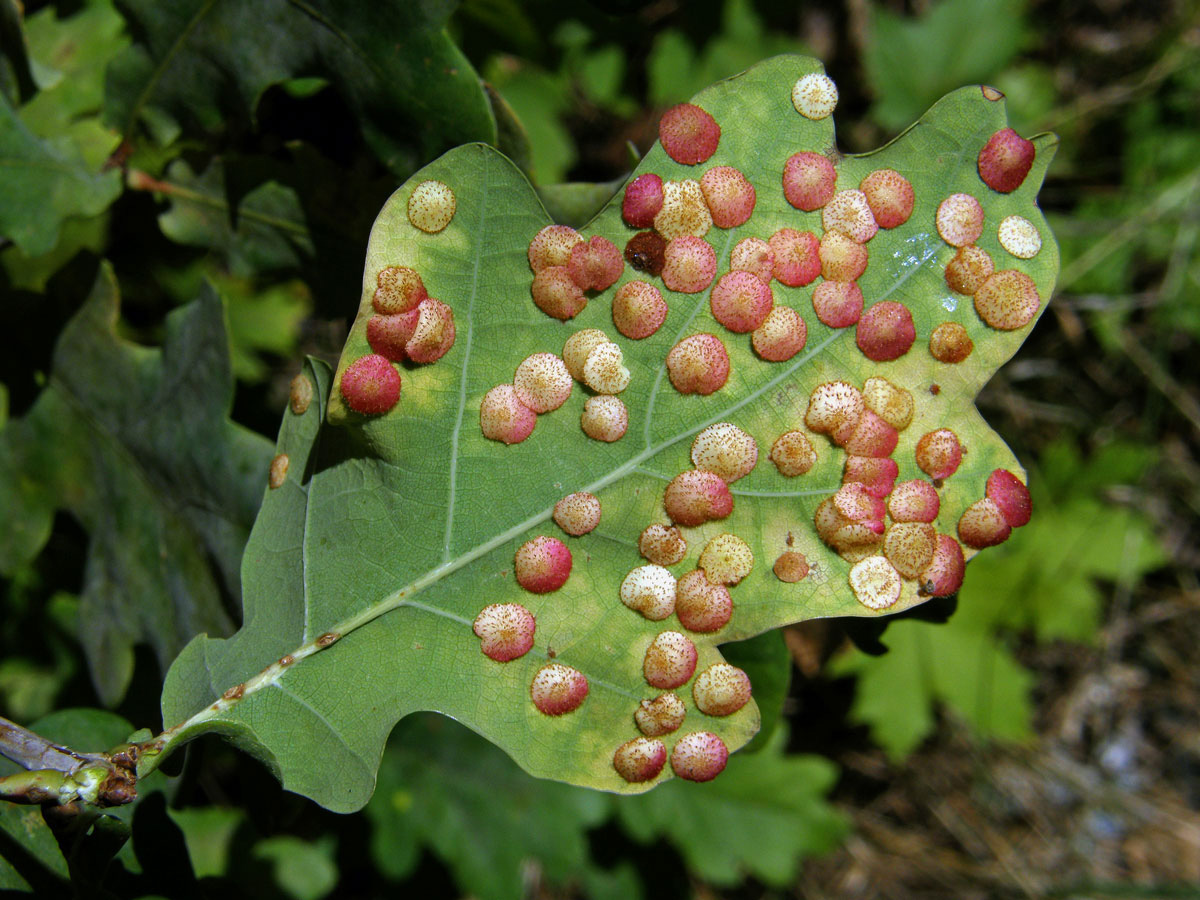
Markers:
{"x": 242, "y": 176}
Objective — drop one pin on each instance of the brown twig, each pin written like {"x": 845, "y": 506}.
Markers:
{"x": 31, "y": 751}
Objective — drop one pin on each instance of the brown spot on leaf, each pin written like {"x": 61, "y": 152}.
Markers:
{"x": 278, "y": 473}
{"x": 300, "y": 394}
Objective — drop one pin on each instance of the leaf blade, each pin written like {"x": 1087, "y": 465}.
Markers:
{"x": 414, "y": 516}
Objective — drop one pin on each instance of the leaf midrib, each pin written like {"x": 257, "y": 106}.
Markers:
{"x": 462, "y": 381}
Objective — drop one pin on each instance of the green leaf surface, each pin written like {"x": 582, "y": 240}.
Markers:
{"x": 390, "y": 533}
{"x": 760, "y": 818}
{"x": 135, "y": 443}
{"x": 44, "y": 183}
{"x": 207, "y": 62}
{"x": 443, "y": 787}
{"x": 262, "y": 231}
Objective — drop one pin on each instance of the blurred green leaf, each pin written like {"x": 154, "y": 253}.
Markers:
{"x": 27, "y": 689}
{"x": 30, "y": 860}
{"x": 670, "y": 68}
{"x": 910, "y": 62}
{"x": 1031, "y": 93}
{"x": 32, "y": 273}
{"x": 675, "y": 70}
{"x": 968, "y": 670}
{"x": 135, "y": 443}
{"x": 262, "y": 317}
{"x": 16, "y": 75}
{"x": 1141, "y": 242}
{"x": 446, "y": 788}
{"x": 304, "y": 870}
{"x": 576, "y": 203}
{"x": 761, "y": 818}
{"x": 619, "y": 883}
{"x": 74, "y": 52}
{"x": 260, "y": 232}
{"x": 601, "y": 73}
{"x": 512, "y": 137}
{"x": 46, "y": 182}
{"x": 206, "y": 63}
{"x": 538, "y": 99}
{"x": 265, "y": 320}
{"x": 71, "y": 54}
{"x": 208, "y": 832}
{"x": 507, "y": 18}
{"x": 596, "y": 72}
{"x": 32, "y": 674}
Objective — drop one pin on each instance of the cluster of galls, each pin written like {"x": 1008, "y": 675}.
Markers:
{"x": 566, "y": 267}
{"x": 867, "y": 425}
{"x": 541, "y": 566}
{"x": 886, "y": 530}
{"x": 681, "y": 213}
{"x": 543, "y": 382}
{"x": 850, "y": 218}
{"x": 720, "y": 690}
{"x": 407, "y": 326}
{"x": 1007, "y": 299}
{"x": 701, "y": 599}
{"x": 566, "y": 270}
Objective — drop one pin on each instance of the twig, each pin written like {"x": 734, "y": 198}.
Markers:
{"x": 137, "y": 180}
{"x": 61, "y": 776}
{"x": 31, "y": 751}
